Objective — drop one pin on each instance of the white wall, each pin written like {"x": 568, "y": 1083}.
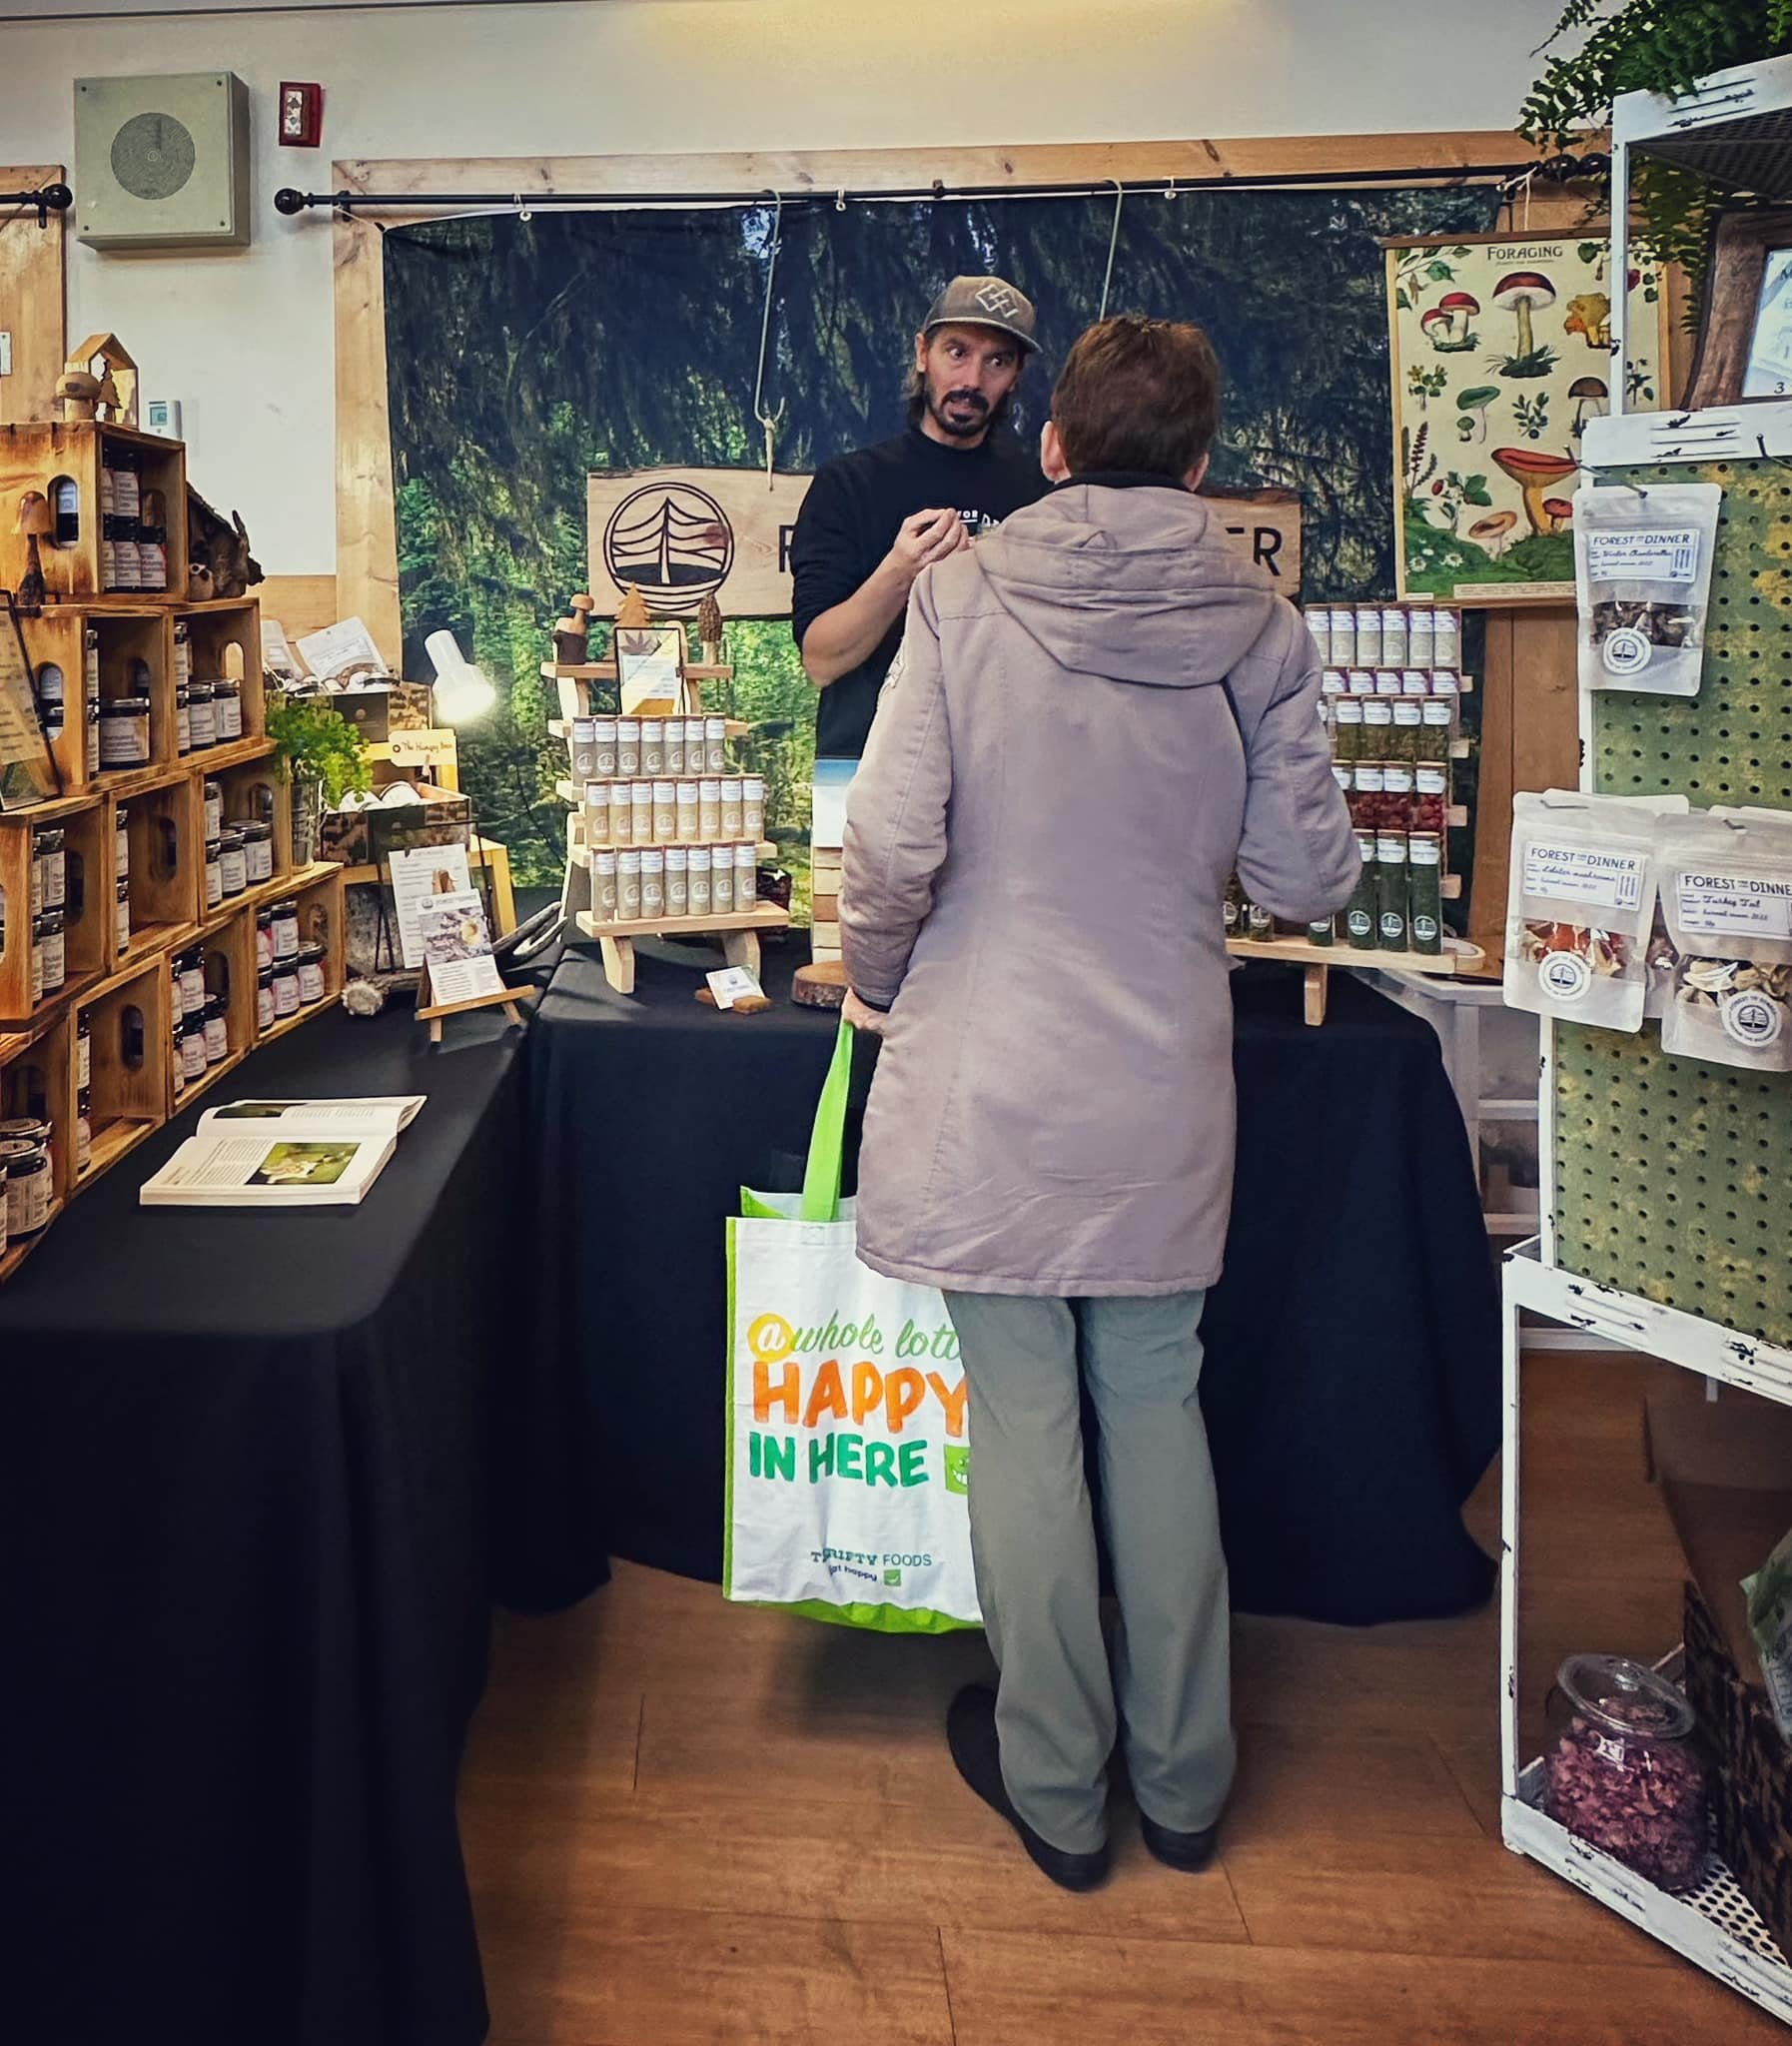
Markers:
{"x": 245, "y": 340}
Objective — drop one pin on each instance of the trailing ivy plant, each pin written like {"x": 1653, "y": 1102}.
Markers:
{"x": 315, "y": 743}
{"x": 1659, "y": 46}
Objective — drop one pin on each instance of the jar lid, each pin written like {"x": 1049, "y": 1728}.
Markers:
{"x": 19, "y": 1158}
{"x": 25, "y": 1129}
{"x": 285, "y": 969}
{"x": 1625, "y": 1698}
{"x": 214, "y": 788}
{"x": 288, "y": 908}
{"x": 197, "y": 688}
{"x": 250, "y": 830}
{"x": 228, "y": 684}
{"x": 84, "y": 1099}
{"x": 48, "y": 922}
{"x": 126, "y": 707}
{"x": 231, "y": 836}
{"x": 311, "y": 955}
{"x": 192, "y": 1022}
{"x": 265, "y": 978}
{"x": 45, "y": 833}
{"x": 214, "y": 846}
{"x": 214, "y": 1009}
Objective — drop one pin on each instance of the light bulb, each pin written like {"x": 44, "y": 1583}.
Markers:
{"x": 463, "y": 695}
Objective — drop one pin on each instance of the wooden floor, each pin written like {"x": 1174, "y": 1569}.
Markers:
{"x": 690, "y": 1822}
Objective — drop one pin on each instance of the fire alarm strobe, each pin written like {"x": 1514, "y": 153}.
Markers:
{"x": 300, "y": 115}
{"x": 162, "y": 163}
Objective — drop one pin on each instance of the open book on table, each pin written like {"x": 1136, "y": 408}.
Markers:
{"x": 283, "y": 1154}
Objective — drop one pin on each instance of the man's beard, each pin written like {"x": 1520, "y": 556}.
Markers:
{"x": 974, "y": 401}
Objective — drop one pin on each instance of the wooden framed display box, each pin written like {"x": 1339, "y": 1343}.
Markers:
{"x": 131, "y": 656}
{"x": 64, "y": 462}
{"x": 322, "y": 921}
{"x": 165, "y": 829}
{"x": 40, "y": 1081}
{"x": 130, "y": 1020}
{"x": 223, "y": 641}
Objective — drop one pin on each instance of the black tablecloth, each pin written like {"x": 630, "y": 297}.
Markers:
{"x": 1351, "y": 1385}
{"x": 245, "y": 1512}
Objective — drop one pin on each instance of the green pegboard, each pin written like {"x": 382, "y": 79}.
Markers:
{"x": 1674, "y": 1179}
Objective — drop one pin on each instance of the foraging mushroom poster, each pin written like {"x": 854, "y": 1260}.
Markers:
{"x": 1502, "y": 352}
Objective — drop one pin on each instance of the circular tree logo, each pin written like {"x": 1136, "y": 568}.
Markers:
{"x": 671, "y": 540}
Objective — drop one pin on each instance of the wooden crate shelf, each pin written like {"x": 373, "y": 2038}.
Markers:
{"x": 37, "y": 454}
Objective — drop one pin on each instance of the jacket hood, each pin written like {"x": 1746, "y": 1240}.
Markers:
{"x": 1134, "y": 584}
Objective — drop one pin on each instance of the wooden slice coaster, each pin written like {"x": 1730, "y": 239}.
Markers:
{"x": 820, "y": 985}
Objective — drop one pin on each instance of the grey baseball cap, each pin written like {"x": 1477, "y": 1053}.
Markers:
{"x": 985, "y": 301}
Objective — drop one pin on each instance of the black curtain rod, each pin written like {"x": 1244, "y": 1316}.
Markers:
{"x": 1557, "y": 169}
{"x": 48, "y": 198}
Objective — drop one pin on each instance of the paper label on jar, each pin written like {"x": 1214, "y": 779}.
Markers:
{"x": 1580, "y": 873}
{"x": 1743, "y": 905}
{"x": 1656, "y": 553}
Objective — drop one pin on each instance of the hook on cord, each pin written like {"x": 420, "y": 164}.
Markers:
{"x": 771, "y": 422}
{"x": 1113, "y": 245}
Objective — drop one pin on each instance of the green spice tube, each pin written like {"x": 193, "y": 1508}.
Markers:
{"x": 1425, "y": 890}
{"x": 1360, "y": 911}
{"x": 1391, "y": 925}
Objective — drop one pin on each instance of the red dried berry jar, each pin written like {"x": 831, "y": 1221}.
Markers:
{"x": 1624, "y": 1772}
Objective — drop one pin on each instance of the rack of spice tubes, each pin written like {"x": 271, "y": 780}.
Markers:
{"x": 671, "y": 835}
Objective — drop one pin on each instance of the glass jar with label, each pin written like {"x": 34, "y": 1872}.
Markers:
{"x": 701, "y": 871}
{"x": 628, "y": 747}
{"x": 311, "y": 974}
{"x": 125, "y": 733}
{"x": 1360, "y": 911}
{"x": 1431, "y": 798}
{"x": 183, "y": 651}
{"x": 285, "y": 987}
{"x": 264, "y": 999}
{"x": 227, "y": 710}
{"x": 753, "y": 808}
{"x": 1394, "y": 635}
{"x": 121, "y": 914}
{"x": 28, "y": 1177}
{"x": 264, "y": 940}
{"x": 82, "y": 1129}
{"x": 193, "y": 1047}
{"x": 90, "y": 692}
{"x": 1318, "y": 618}
{"x": 202, "y": 716}
{"x": 233, "y": 862}
{"x": 1421, "y": 637}
{"x": 213, "y": 872}
{"x": 176, "y": 1072}
{"x": 677, "y": 881}
{"x": 746, "y": 878}
{"x": 1425, "y": 887}
{"x": 215, "y": 1030}
{"x": 582, "y": 748}
{"x": 1347, "y": 729}
{"x": 721, "y": 880}
{"x": 1359, "y": 682}
{"x": 258, "y": 850}
{"x": 183, "y": 719}
{"x": 1378, "y": 728}
{"x": 1392, "y": 930}
{"x": 604, "y": 741}
{"x": 49, "y": 866}
{"x": 214, "y": 802}
{"x": 715, "y": 746}
{"x": 49, "y": 954}
{"x": 1433, "y": 732}
{"x": 654, "y": 745}
{"x": 52, "y": 709}
{"x": 286, "y": 931}
{"x": 1409, "y": 717}
{"x": 1368, "y": 635}
{"x": 665, "y": 812}
{"x": 1396, "y": 790}
{"x": 190, "y": 980}
{"x": 1388, "y": 681}
{"x": 653, "y": 882}
{"x": 1447, "y": 683}
{"x": 121, "y": 843}
{"x": 603, "y": 886}
{"x": 1446, "y": 638}
{"x": 84, "y": 1051}
{"x": 628, "y": 888}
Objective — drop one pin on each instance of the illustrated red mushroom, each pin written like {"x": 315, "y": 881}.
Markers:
{"x": 1558, "y": 510}
{"x": 1463, "y": 305}
{"x": 1520, "y": 293}
{"x": 1493, "y": 531}
{"x": 1434, "y": 326}
{"x": 1586, "y": 391}
{"x": 1533, "y": 471}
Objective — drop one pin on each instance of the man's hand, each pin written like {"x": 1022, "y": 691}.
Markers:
{"x": 862, "y": 1016}
{"x": 927, "y": 537}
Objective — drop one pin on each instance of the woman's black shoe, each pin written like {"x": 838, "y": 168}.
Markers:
{"x": 971, "y": 1734}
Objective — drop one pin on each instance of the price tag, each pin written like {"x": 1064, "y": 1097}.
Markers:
{"x": 1655, "y": 554}
{"x": 1573, "y": 873}
{"x": 433, "y": 747}
{"x": 733, "y": 984}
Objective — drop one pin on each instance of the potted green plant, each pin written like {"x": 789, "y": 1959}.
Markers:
{"x": 323, "y": 756}
{"x": 1659, "y": 46}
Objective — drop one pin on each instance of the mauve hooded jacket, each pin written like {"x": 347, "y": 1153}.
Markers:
{"x": 1100, "y": 711}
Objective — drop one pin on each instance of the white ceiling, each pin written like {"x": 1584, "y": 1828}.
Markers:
{"x": 88, "y": 10}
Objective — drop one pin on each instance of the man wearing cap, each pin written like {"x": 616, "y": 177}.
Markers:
{"x": 875, "y": 519}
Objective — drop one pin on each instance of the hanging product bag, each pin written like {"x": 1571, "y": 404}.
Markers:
{"x": 1643, "y": 574}
{"x": 848, "y": 1458}
{"x": 1726, "y": 892}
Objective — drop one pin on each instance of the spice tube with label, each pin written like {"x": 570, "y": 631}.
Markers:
{"x": 700, "y": 874}
{"x": 677, "y": 881}
{"x": 596, "y": 813}
{"x": 582, "y": 748}
{"x": 628, "y": 747}
{"x": 693, "y": 747}
{"x": 674, "y": 748}
{"x": 603, "y": 886}
{"x": 730, "y": 806}
{"x": 753, "y": 808}
{"x": 604, "y": 739}
{"x": 721, "y": 880}
{"x": 628, "y": 888}
{"x": 641, "y": 812}
{"x": 715, "y": 745}
{"x": 688, "y": 813}
{"x": 746, "y": 877}
{"x": 665, "y": 812}
{"x": 653, "y": 883}
{"x": 710, "y": 811}
{"x": 653, "y": 746}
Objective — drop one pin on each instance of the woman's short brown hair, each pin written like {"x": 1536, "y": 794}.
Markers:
{"x": 1140, "y": 395}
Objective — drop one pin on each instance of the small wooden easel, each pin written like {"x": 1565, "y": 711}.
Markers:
{"x": 507, "y": 998}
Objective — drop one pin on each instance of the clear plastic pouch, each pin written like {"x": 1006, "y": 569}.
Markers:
{"x": 1642, "y": 574}
{"x": 1726, "y": 896}
{"x": 1580, "y": 909}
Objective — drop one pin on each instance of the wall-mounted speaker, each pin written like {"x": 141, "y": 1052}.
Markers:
{"x": 162, "y": 163}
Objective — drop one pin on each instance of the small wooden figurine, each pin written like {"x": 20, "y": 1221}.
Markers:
{"x": 219, "y": 548}
{"x": 77, "y": 393}
{"x": 114, "y": 370}
{"x": 709, "y": 630}
{"x": 571, "y": 634}
{"x": 633, "y": 610}
{"x": 35, "y": 519}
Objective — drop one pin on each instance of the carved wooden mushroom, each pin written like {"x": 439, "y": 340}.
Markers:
{"x": 709, "y": 630}
{"x": 77, "y": 393}
{"x": 34, "y": 520}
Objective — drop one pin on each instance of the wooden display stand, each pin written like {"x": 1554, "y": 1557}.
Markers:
{"x": 124, "y": 992}
{"x": 738, "y": 930}
{"x": 1457, "y": 956}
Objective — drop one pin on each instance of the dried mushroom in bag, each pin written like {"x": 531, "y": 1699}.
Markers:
{"x": 1727, "y": 899}
{"x": 1643, "y": 574}
{"x": 1581, "y": 901}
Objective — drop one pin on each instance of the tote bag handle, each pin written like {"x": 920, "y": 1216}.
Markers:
{"x": 828, "y": 1141}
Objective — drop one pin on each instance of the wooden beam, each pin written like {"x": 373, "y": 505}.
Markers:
{"x": 299, "y": 604}
{"x": 367, "y": 524}
{"x": 33, "y": 298}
